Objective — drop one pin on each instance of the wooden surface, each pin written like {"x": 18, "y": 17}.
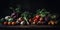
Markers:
{"x": 29, "y": 26}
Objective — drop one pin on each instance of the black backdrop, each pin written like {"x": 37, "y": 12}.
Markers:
{"x": 28, "y": 5}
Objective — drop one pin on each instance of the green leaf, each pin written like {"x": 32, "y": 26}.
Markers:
{"x": 10, "y": 19}
{"x": 53, "y": 16}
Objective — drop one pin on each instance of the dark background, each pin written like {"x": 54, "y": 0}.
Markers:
{"x": 29, "y": 5}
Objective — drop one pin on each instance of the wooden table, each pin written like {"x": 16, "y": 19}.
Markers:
{"x": 29, "y": 27}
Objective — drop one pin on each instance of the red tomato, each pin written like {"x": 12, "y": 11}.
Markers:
{"x": 5, "y": 23}
{"x": 13, "y": 23}
{"x": 36, "y": 18}
{"x": 9, "y": 23}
